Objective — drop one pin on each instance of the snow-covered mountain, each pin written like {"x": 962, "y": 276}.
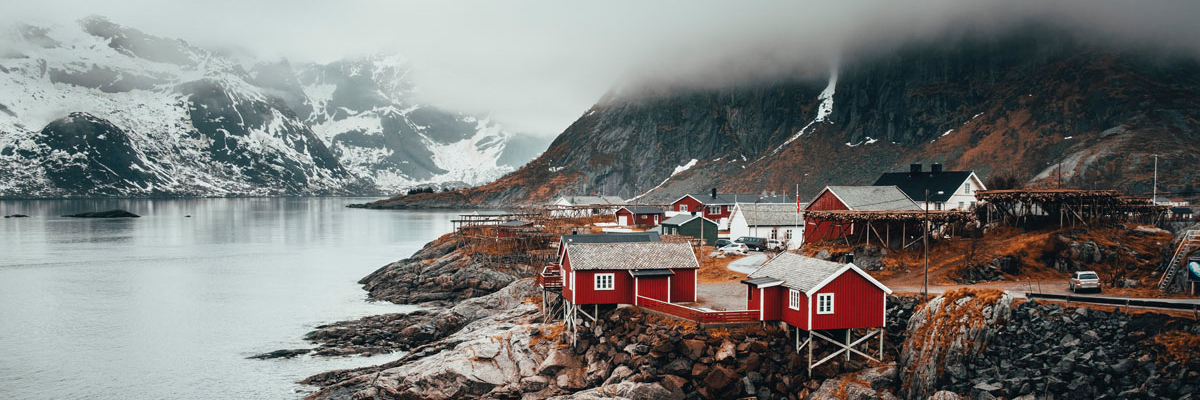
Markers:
{"x": 99, "y": 109}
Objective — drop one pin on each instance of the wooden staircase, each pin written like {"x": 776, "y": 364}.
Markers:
{"x": 1187, "y": 243}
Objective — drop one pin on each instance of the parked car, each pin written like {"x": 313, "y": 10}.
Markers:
{"x": 1084, "y": 280}
{"x": 773, "y": 244}
{"x": 723, "y": 242}
{"x": 754, "y": 243}
{"x": 736, "y": 248}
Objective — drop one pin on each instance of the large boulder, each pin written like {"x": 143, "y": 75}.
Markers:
{"x": 945, "y": 335}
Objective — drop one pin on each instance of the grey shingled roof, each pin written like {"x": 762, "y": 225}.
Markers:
{"x": 631, "y": 256}
{"x": 770, "y": 214}
{"x": 796, "y": 271}
{"x": 874, "y": 198}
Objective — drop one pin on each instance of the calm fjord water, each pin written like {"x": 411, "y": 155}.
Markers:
{"x": 167, "y": 306}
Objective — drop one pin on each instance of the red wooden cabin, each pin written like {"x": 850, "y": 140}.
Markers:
{"x": 816, "y": 295}
{"x": 856, "y": 198}
{"x": 619, "y": 273}
{"x": 711, "y": 205}
{"x": 639, "y": 216}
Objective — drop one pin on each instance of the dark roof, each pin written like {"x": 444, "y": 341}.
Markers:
{"x": 1181, "y": 210}
{"x": 643, "y": 209}
{"x": 630, "y": 237}
{"x": 914, "y": 183}
{"x": 681, "y": 219}
{"x": 631, "y": 256}
{"x": 643, "y": 273}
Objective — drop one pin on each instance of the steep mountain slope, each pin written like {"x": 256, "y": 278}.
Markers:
{"x": 1036, "y": 105}
{"x": 100, "y": 109}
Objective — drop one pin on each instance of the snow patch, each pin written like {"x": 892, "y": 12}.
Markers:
{"x": 678, "y": 170}
{"x": 823, "y": 110}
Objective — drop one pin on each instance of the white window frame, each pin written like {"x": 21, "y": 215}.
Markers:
{"x": 714, "y": 210}
{"x": 683, "y": 208}
{"x": 571, "y": 280}
{"x": 794, "y": 299}
{"x": 597, "y": 280}
{"x": 824, "y": 303}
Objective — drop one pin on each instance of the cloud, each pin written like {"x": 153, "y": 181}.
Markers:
{"x": 535, "y": 66}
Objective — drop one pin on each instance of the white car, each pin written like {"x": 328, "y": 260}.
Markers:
{"x": 1084, "y": 280}
{"x": 774, "y": 245}
{"x": 736, "y": 248}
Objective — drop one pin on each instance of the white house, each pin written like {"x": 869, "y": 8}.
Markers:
{"x": 779, "y": 221}
{"x": 948, "y": 190}
{"x": 600, "y": 205}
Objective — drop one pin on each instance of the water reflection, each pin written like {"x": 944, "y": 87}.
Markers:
{"x": 168, "y": 306}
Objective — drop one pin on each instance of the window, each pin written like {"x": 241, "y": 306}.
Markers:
{"x": 604, "y": 281}
{"x": 825, "y": 303}
{"x": 571, "y": 280}
{"x": 683, "y": 207}
{"x": 939, "y": 206}
{"x": 962, "y": 205}
{"x": 794, "y": 299}
{"x": 774, "y": 234}
{"x": 643, "y": 216}
{"x": 968, "y": 188}
{"x": 714, "y": 209}
{"x": 972, "y": 204}
{"x": 787, "y": 234}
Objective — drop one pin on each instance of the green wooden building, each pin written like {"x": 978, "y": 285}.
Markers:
{"x": 691, "y": 225}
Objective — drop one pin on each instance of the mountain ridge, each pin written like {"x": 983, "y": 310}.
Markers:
{"x": 1034, "y": 106}
{"x": 202, "y": 124}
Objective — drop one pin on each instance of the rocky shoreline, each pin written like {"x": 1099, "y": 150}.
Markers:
{"x": 489, "y": 342}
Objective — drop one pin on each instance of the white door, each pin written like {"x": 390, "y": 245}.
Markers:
{"x": 625, "y": 220}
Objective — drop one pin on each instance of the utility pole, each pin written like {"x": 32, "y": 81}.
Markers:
{"x": 925, "y": 292}
{"x": 1154, "y": 198}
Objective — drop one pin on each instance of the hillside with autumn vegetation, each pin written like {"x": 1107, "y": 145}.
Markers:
{"x": 1036, "y": 106}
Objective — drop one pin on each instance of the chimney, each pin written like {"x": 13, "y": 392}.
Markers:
{"x": 714, "y": 193}
{"x": 935, "y": 168}
{"x": 914, "y": 168}
{"x": 849, "y": 258}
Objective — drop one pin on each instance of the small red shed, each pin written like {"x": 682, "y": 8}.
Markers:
{"x": 620, "y": 273}
{"x": 855, "y": 198}
{"x": 814, "y": 295}
{"x": 639, "y": 216}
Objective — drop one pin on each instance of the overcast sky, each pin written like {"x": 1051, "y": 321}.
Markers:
{"x": 535, "y": 66}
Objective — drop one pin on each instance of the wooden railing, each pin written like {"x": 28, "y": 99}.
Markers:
{"x": 693, "y": 314}
{"x": 551, "y": 277}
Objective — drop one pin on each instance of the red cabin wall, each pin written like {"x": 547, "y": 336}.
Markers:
{"x": 818, "y": 229}
{"x": 696, "y": 205}
{"x": 625, "y": 213}
{"x": 683, "y": 285}
{"x": 752, "y": 297}
{"x": 585, "y": 293}
{"x": 857, "y": 303}
{"x": 653, "y": 287}
{"x": 796, "y": 318}
{"x": 771, "y": 303}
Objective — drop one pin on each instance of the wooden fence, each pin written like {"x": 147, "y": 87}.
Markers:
{"x": 697, "y": 315}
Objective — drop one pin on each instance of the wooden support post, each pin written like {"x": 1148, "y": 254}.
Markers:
{"x": 810, "y": 351}
{"x": 881, "y": 331}
{"x": 848, "y": 344}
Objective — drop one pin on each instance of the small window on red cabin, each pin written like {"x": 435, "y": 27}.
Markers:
{"x": 604, "y": 282}
{"x": 683, "y": 207}
{"x": 794, "y": 299}
{"x": 825, "y": 303}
